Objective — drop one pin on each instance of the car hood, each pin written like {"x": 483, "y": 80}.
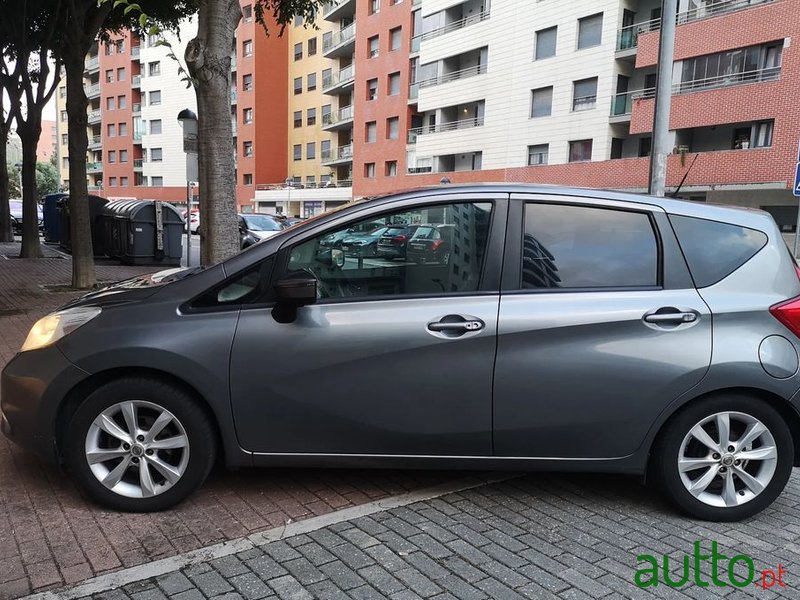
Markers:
{"x": 263, "y": 235}
{"x": 133, "y": 290}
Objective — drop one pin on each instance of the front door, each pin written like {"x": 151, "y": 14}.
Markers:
{"x": 397, "y": 355}
{"x": 600, "y": 329}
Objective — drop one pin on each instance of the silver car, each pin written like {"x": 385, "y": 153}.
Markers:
{"x": 568, "y": 330}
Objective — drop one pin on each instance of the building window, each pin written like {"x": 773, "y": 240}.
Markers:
{"x": 584, "y": 94}
{"x": 298, "y": 118}
{"x": 247, "y": 13}
{"x": 155, "y": 126}
{"x": 395, "y": 38}
{"x": 542, "y": 102}
{"x": 110, "y": 76}
{"x": 247, "y": 82}
{"x": 391, "y": 168}
{"x": 325, "y": 149}
{"x": 311, "y": 82}
{"x": 154, "y": 68}
{"x": 369, "y": 170}
{"x": 64, "y": 139}
{"x": 62, "y": 91}
{"x": 546, "y": 43}
{"x": 247, "y": 116}
{"x": 247, "y": 179}
{"x": 123, "y": 182}
{"x": 247, "y": 48}
{"x": 123, "y": 156}
{"x": 109, "y": 49}
{"x": 65, "y": 163}
{"x": 120, "y": 44}
{"x": 372, "y": 89}
{"x": 122, "y": 101}
{"x": 373, "y": 45}
{"x": 538, "y": 154}
{"x": 297, "y": 152}
{"x": 394, "y": 84}
{"x": 111, "y": 103}
{"x": 311, "y": 116}
{"x": 298, "y": 85}
{"x": 123, "y": 129}
{"x": 157, "y": 181}
{"x": 326, "y": 39}
{"x": 311, "y": 151}
{"x": 326, "y": 111}
{"x": 580, "y": 151}
{"x": 247, "y": 149}
{"x": 371, "y": 132}
{"x": 112, "y": 182}
{"x": 121, "y": 74}
{"x": 393, "y": 128}
{"x": 156, "y": 155}
{"x": 153, "y": 39}
{"x": 374, "y": 6}
{"x": 762, "y": 134}
{"x": 590, "y": 31}
{"x": 616, "y": 148}
{"x": 64, "y": 116}
{"x": 298, "y": 20}
{"x": 298, "y": 51}
{"x": 155, "y": 98}
{"x": 111, "y": 130}
{"x": 312, "y": 46}
{"x": 112, "y": 156}
{"x": 645, "y": 146}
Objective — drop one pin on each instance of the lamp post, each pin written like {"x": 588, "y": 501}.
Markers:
{"x": 289, "y": 201}
{"x": 188, "y": 121}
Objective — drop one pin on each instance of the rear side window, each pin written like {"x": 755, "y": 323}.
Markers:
{"x": 714, "y": 250}
{"x": 569, "y": 247}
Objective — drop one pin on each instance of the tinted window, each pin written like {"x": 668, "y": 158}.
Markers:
{"x": 400, "y": 263}
{"x": 715, "y": 250}
{"x": 247, "y": 287}
{"x": 587, "y": 247}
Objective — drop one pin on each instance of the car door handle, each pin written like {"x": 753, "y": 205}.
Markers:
{"x": 456, "y": 324}
{"x": 671, "y": 317}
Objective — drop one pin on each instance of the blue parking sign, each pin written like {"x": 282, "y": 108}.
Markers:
{"x": 796, "y": 190}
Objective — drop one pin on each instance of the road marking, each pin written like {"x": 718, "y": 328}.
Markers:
{"x": 117, "y": 579}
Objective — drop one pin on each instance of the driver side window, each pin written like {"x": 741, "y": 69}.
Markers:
{"x": 436, "y": 249}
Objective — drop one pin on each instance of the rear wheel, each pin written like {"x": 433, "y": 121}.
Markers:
{"x": 140, "y": 445}
{"x": 724, "y": 458}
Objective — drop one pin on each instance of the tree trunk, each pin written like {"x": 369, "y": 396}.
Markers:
{"x": 208, "y": 58}
{"x": 29, "y": 133}
{"x": 83, "y": 273}
{"x": 6, "y": 235}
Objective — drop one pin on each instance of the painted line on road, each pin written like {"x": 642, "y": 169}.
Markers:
{"x": 117, "y": 579}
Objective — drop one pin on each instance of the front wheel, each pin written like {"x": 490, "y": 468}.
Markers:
{"x": 140, "y": 445}
{"x": 724, "y": 458}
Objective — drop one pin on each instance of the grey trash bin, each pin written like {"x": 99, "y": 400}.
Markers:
{"x": 143, "y": 232}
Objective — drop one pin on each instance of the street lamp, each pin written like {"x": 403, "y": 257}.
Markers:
{"x": 289, "y": 182}
{"x": 188, "y": 120}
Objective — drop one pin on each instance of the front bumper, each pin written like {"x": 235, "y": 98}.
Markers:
{"x": 32, "y": 387}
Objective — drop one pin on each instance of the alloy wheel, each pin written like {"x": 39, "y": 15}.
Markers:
{"x": 727, "y": 459}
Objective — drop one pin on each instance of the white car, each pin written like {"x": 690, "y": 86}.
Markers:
{"x": 194, "y": 220}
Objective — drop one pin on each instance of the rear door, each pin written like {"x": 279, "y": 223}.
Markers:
{"x": 600, "y": 328}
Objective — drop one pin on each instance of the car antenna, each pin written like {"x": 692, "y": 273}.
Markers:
{"x": 685, "y": 175}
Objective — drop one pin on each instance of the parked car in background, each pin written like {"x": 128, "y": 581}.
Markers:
{"x": 334, "y": 240}
{"x": 431, "y": 244}
{"x": 363, "y": 244}
{"x": 569, "y": 329}
{"x": 16, "y": 215}
{"x": 193, "y": 220}
{"x": 394, "y": 241}
{"x": 255, "y": 227}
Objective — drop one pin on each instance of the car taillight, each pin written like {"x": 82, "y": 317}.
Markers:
{"x": 788, "y": 313}
{"x": 437, "y": 244}
{"x": 400, "y": 238}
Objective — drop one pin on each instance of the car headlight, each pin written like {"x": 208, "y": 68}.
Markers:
{"x": 55, "y": 326}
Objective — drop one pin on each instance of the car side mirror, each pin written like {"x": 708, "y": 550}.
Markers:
{"x": 293, "y": 291}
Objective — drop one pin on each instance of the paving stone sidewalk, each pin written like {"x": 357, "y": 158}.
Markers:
{"x": 541, "y": 536}
{"x": 50, "y": 535}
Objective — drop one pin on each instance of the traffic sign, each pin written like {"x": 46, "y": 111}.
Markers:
{"x": 797, "y": 180}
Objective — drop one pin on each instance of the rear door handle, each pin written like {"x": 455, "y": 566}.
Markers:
{"x": 455, "y": 325}
{"x": 676, "y": 317}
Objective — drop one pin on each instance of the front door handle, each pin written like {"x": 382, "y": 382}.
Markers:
{"x": 670, "y": 316}
{"x": 454, "y": 325}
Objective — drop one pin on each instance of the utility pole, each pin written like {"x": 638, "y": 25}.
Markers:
{"x": 666, "y": 53}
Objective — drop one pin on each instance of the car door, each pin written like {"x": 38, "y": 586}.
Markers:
{"x": 395, "y": 357}
{"x": 600, "y": 328}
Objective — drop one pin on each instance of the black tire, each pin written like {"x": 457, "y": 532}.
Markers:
{"x": 664, "y": 465}
{"x": 186, "y": 409}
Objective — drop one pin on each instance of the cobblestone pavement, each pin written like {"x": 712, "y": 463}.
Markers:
{"x": 50, "y": 535}
{"x": 539, "y": 536}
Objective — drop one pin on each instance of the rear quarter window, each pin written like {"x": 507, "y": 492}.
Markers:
{"x": 714, "y": 250}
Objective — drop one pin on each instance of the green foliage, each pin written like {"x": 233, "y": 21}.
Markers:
{"x": 46, "y": 178}
{"x": 283, "y": 12}
{"x": 14, "y": 190}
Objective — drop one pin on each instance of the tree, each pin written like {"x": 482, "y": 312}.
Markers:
{"x": 46, "y": 178}
{"x": 208, "y": 58}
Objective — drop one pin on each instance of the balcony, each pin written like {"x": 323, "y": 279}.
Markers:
{"x": 341, "y": 43}
{"x": 442, "y": 127}
{"x": 93, "y": 91}
{"x": 717, "y": 8}
{"x": 137, "y": 136}
{"x": 95, "y": 142}
{"x": 342, "y": 81}
{"x": 234, "y": 97}
{"x": 92, "y": 64}
{"x": 340, "y": 119}
{"x": 455, "y": 26}
{"x": 452, "y": 76}
{"x": 336, "y": 9}
{"x": 93, "y": 117}
{"x": 622, "y": 104}
{"x": 413, "y": 93}
{"x": 135, "y": 51}
{"x": 628, "y": 37}
{"x": 721, "y": 81}
{"x": 338, "y": 156}
{"x": 94, "y": 167}
{"x": 136, "y": 108}
{"x": 136, "y": 81}
{"x": 138, "y": 165}
{"x": 415, "y": 44}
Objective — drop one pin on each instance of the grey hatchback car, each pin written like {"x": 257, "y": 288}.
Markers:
{"x": 568, "y": 330}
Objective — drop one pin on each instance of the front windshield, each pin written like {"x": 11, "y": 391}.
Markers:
{"x": 262, "y": 223}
